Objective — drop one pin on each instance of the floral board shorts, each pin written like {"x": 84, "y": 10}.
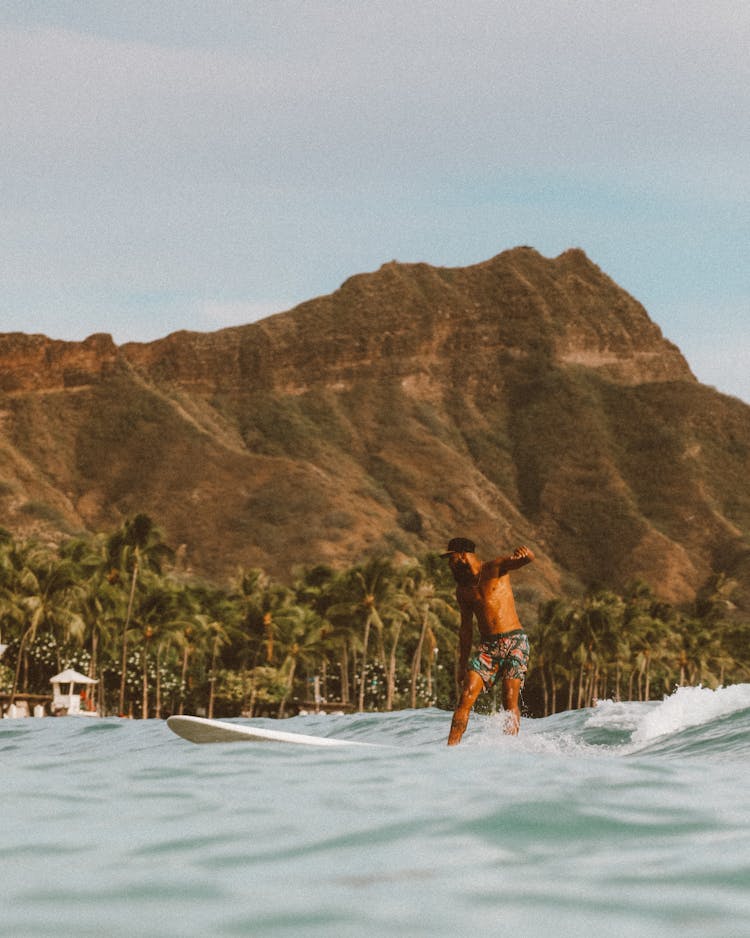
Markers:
{"x": 507, "y": 655}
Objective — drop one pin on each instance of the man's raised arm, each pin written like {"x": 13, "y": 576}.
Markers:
{"x": 519, "y": 558}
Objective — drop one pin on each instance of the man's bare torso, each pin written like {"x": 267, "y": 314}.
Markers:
{"x": 490, "y": 600}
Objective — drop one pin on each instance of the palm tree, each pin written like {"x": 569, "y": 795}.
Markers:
{"x": 601, "y": 619}
{"x": 369, "y": 589}
{"x": 157, "y": 616}
{"x": 302, "y": 637}
{"x": 646, "y": 634}
{"x": 428, "y": 609}
{"x": 44, "y": 588}
{"x": 261, "y": 601}
{"x": 315, "y": 588}
{"x": 219, "y": 624}
{"x": 700, "y": 653}
{"x": 185, "y": 637}
{"x": 260, "y": 605}
{"x": 12, "y": 564}
{"x": 330, "y": 596}
{"x": 550, "y": 642}
{"x": 98, "y": 601}
{"x": 136, "y": 545}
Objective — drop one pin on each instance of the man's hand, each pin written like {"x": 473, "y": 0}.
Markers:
{"x": 522, "y": 553}
{"x": 519, "y": 558}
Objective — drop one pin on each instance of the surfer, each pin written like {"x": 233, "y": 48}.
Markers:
{"x": 483, "y": 591}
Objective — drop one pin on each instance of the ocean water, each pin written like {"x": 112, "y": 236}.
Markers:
{"x": 627, "y": 819}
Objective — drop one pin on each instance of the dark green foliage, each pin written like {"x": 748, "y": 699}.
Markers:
{"x": 258, "y": 646}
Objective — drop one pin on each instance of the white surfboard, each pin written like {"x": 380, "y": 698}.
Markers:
{"x": 201, "y": 730}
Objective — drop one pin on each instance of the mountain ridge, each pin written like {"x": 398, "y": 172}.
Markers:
{"x": 521, "y": 399}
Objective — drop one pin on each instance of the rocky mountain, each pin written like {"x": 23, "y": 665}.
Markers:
{"x": 520, "y": 400}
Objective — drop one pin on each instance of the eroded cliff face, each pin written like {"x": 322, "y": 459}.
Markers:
{"x": 429, "y": 326}
{"x": 424, "y": 324}
{"x": 521, "y": 400}
{"x": 36, "y": 363}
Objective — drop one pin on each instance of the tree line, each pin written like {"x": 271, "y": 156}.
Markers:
{"x": 373, "y": 636}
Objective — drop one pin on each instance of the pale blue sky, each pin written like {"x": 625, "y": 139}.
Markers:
{"x": 200, "y": 163}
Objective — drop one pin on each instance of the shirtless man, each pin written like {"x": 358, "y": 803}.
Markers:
{"x": 483, "y": 590}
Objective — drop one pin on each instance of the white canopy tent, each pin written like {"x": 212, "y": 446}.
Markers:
{"x": 69, "y": 702}
{"x": 69, "y": 676}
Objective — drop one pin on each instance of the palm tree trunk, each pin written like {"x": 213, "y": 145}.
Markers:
{"x": 595, "y": 678}
{"x": 580, "y": 687}
{"x": 391, "y": 675}
{"x": 144, "y": 697}
{"x": 554, "y": 691}
{"x": 101, "y": 698}
{"x": 212, "y": 679}
{"x": 17, "y": 674}
{"x": 416, "y": 663}
{"x": 157, "y": 713}
{"x": 289, "y": 686}
{"x": 381, "y": 647}
{"x": 95, "y": 690}
{"x": 183, "y": 677}
{"x": 344, "y": 673}
{"x": 545, "y": 690}
{"x": 124, "y": 660}
{"x": 365, "y": 639}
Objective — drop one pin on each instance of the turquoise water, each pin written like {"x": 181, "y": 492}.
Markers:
{"x": 628, "y": 819}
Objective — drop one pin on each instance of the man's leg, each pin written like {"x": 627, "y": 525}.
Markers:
{"x": 511, "y": 692}
{"x": 472, "y": 688}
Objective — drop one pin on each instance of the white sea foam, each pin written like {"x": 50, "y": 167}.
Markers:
{"x": 691, "y": 706}
{"x": 686, "y": 707}
{"x": 625, "y": 715}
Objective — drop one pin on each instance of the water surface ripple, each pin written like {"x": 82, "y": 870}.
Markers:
{"x": 628, "y": 819}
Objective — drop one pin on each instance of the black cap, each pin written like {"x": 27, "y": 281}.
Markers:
{"x": 460, "y": 545}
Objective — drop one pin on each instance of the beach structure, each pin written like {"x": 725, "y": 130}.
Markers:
{"x": 24, "y": 705}
{"x": 20, "y": 707}
{"x": 71, "y": 694}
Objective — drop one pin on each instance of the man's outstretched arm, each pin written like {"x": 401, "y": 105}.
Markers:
{"x": 519, "y": 558}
